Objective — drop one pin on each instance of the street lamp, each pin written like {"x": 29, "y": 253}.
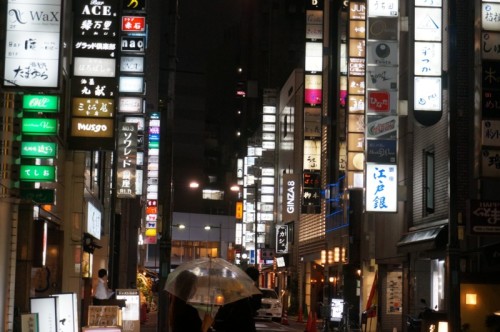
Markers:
{"x": 219, "y": 249}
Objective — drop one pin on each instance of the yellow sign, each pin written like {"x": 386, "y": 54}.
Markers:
{"x": 239, "y": 210}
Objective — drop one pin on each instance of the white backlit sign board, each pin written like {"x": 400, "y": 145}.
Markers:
{"x": 428, "y": 24}
{"x": 32, "y": 43}
{"x": 429, "y": 3}
{"x": 427, "y": 92}
{"x": 132, "y": 64}
{"x": 314, "y": 57}
{"x": 67, "y": 312}
{"x": 382, "y": 53}
{"x": 383, "y": 8}
{"x": 427, "y": 58}
{"x": 381, "y": 188}
{"x": 130, "y": 105}
{"x": 132, "y": 84}
{"x": 489, "y": 16}
{"x": 46, "y": 308}
{"x": 98, "y": 67}
{"x": 93, "y": 221}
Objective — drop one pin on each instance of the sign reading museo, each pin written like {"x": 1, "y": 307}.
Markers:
{"x": 32, "y": 43}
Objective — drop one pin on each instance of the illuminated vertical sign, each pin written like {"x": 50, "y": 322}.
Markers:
{"x": 126, "y": 164}
{"x": 313, "y": 99}
{"x": 381, "y": 188}
{"x": 282, "y": 239}
{"x": 355, "y": 89}
{"x": 427, "y": 68}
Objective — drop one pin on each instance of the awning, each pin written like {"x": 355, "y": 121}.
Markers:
{"x": 424, "y": 239}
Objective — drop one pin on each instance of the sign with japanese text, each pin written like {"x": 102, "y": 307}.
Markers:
{"x": 491, "y": 104}
{"x": 94, "y": 87}
{"x": 133, "y": 23}
{"x": 126, "y": 164}
{"x": 490, "y": 16}
{"x": 98, "y": 67}
{"x": 490, "y": 133}
{"x": 32, "y": 43}
{"x": 38, "y": 150}
{"x": 427, "y": 58}
{"x": 490, "y": 45}
{"x": 93, "y": 107}
{"x": 383, "y": 8}
{"x": 282, "y": 239}
{"x": 37, "y": 173}
{"x": 381, "y": 188}
{"x": 312, "y": 154}
{"x": 490, "y": 163}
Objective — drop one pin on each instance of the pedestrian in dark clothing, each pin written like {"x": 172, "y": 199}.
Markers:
{"x": 182, "y": 316}
{"x": 240, "y": 315}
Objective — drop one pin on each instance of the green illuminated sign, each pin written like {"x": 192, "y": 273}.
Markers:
{"x": 39, "y": 126}
{"x": 38, "y": 150}
{"x": 37, "y": 173}
{"x": 41, "y": 103}
{"x": 39, "y": 196}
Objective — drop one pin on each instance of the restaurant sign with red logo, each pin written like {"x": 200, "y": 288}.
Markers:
{"x": 133, "y": 23}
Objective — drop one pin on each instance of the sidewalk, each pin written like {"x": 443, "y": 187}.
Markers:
{"x": 293, "y": 324}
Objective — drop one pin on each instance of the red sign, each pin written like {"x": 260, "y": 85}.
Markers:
{"x": 151, "y": 210}
{"x": 152, "y": 202}
{"x": 379, "y": 101}
{"x": 133, "y": 23}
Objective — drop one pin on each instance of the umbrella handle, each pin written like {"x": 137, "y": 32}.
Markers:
{"x": 207, "y": 322}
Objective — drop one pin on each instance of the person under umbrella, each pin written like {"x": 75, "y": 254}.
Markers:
{"x": 182, "y": 316}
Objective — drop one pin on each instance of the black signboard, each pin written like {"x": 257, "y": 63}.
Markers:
{"x": 484, "y": 217}
{"x": 94, "y": 87}
{"x": 381, "y": 151}
{"x": 95, "y": 47}
{"x": 282, "y": 239}
{"x": 491, "y": 104}
{"x": 133, "y": 44}
{"x": 85, "y": 26}
{"x": 491, "y": 75}
{"x": 134, "y": 5}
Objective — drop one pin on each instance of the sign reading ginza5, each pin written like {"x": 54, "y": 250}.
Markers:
{"x": 32, "y": 44}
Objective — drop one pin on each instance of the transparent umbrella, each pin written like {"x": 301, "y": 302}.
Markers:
{"x": 208, "y": 282}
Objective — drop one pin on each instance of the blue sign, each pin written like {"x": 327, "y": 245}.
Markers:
{"x": 381, "y": 151}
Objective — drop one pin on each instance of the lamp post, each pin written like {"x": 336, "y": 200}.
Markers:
{"x": 219, "y": 248}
